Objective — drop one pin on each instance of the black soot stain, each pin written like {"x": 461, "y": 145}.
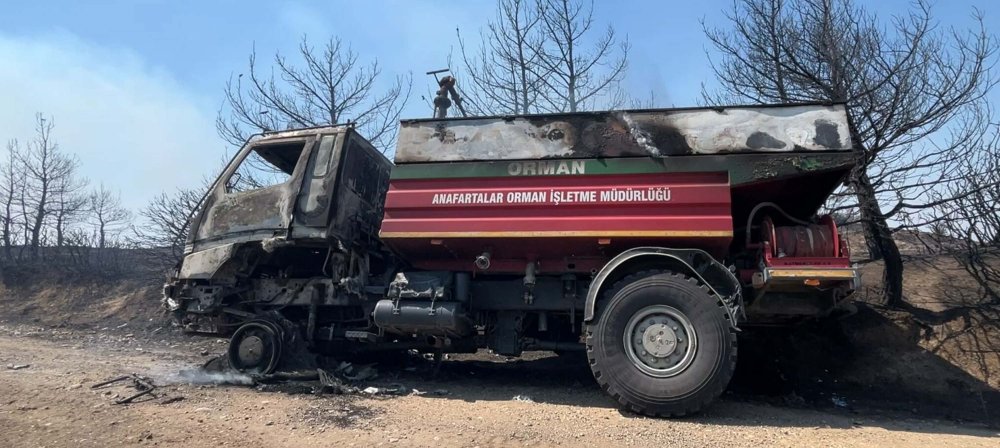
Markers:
{"x": 827, "y": 134}
{"x": 761, "y": 140}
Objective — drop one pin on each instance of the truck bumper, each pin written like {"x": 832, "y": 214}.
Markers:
{"x": 845, "y": 278}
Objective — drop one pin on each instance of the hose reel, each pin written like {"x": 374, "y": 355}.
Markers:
{"x": 801, "y": 241}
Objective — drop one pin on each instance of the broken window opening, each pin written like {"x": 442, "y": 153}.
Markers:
{"x": 266, "y": 166}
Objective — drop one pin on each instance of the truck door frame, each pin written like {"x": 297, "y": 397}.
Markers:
{"x": 204, "y": 231}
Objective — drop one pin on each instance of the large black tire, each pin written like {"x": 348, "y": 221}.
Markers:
{"x": 682, "y": 378}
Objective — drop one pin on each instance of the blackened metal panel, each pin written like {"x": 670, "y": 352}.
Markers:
{"x": 657, "y": 133}
{"x": 314, "y": 201}
{"x": 362, "y": 182}
{"x": 253, "y": 214}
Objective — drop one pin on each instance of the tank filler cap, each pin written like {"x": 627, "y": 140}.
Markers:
{"x": 483, "y": 260}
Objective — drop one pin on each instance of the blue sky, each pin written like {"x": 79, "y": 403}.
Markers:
{"x": 134, "y": 86}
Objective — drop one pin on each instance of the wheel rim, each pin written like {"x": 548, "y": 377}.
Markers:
{"x": 251, "y": 350}
{"x": 255, "y": 348}
{"x": 660, "y": 341}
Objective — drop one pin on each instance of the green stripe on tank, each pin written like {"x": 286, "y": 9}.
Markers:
{"x": 742, "y": 168}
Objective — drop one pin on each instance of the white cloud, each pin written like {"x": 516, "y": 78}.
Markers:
{"x": 130, "y": 122}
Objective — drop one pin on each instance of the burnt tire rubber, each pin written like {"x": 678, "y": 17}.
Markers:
{"x": 670, "y": 384}
{"x": 256, "y": 347}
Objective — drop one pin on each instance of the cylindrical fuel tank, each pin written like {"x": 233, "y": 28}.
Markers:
{"x": 423, "y": 318}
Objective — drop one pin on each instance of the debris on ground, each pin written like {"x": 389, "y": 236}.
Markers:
{"x": 18, "y": 366}
{"x": 334, "y": 384}
{"x": 142, "y": 384}
{"x": 393, "y": 389}
{"x": 523, "y": 398}
{"x": 363, "y": 373}
{"x": 342, "y": 378}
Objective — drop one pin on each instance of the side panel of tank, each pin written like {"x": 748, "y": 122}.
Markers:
{"x": 555, "y": 217}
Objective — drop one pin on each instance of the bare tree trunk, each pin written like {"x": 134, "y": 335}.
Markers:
{"x": 39, "y": 218}
{"x": 100, "y": 235}
{"x": 878, "y": 237}
{"x": 10, "y": 173}
{"x": 6, "y": 234}
{"x": 59, "y": 231}
{"x": 25, "y": 227}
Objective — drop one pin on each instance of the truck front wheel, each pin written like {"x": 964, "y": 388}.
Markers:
{"x": 256, "y": 347}
{"x": 662, "y": 344}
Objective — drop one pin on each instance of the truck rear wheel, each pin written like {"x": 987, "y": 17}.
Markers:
{"x": 662, "y": 344}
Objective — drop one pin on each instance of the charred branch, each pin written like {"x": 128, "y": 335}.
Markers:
{"x": 328, "y": 86}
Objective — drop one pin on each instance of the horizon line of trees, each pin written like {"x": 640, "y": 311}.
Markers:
{"x": 51, "y": 215}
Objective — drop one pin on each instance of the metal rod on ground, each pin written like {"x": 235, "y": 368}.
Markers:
{"x": 111, "y": 381}
{"x": 133, "y": 397}
{"x": 145, "y": 388}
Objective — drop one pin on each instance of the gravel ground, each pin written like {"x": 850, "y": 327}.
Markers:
{"x": 475, "y": 400}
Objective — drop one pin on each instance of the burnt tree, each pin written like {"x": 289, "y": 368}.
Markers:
{"x": 69, "y": 203}
{"x": 503, "y": 76}
{"x": 12, "y": 175}
{"x": 539, "y": 56}
{"x": 326, "y": 86}
{"x": 578, "y": 75}
{"x": 166, "y": 223}
{"x": 107, "y": 215}
{"x": 47, "y": 170}
{"x": 902, "y": 83}
{"x": 969, "y": 225}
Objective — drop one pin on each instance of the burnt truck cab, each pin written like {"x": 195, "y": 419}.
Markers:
{"x": 293, "y": 214}
{"x": 645, "y": 238}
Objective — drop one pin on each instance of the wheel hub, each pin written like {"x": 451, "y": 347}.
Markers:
{"x": 251, "y": 350}
{"x": 660, "y": 341}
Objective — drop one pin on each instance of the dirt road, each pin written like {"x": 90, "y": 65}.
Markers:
{"x": 545, "y": 401}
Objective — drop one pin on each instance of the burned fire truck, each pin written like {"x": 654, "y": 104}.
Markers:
{"x": 645, "y": 238}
